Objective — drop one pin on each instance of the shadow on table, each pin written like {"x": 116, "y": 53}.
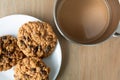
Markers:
{"x": 65, "y": 56}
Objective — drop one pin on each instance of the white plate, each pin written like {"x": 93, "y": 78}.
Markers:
{"x": 10, "y": 25}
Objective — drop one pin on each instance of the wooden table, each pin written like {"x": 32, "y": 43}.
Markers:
{"x": 100, "y": 62}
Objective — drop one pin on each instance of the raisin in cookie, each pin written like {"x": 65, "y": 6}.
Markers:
{"x": 31, "y": 68}
{"x": 36, "y": 39}
{"x": 10, "y": 53}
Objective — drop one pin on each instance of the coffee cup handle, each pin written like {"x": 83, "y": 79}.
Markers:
{"x": 117, "y": 33}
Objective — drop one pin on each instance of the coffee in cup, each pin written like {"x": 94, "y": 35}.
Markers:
{"x": 86, "y": 21}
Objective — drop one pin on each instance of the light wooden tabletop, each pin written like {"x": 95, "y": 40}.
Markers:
{"x": 100, "y": 62}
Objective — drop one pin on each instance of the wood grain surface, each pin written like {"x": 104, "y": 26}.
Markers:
{"x": 100, "y": 62}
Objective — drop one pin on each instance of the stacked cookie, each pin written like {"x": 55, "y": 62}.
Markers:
{"x": 10, "y": 53}
{"x": 35, "y": 41}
